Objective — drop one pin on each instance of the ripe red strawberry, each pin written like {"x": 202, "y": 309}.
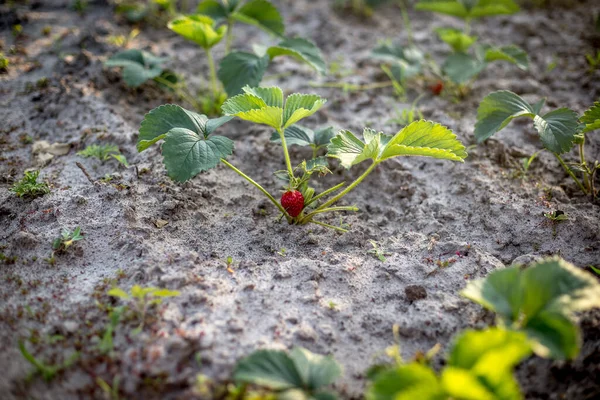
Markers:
{"x": 437, "y": 88}
{"x": 293, "y": 202}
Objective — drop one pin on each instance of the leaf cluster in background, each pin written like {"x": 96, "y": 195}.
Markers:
{"x": 240, "y": 68}
{"x": 469, "y": 9}
{"x": 138, "y": 66}
{"x": 557, "y": 129}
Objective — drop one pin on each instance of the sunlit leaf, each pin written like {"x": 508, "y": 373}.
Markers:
{"x": 513, "y": 54}
{"x": 468, "y": 9}
{"x": 456, "y": 39}
{"x": 120, "y": 293}
{"x": 497, "y": 110}
{"x": 200, "y": 29}
{"x": 591, "y": 118}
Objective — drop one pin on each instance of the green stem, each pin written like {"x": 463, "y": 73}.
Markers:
{"x": 407, "y": 24}
{"x": 586, "y": 174}
{"x": 286, "y": 154}
{"x": 179, "y": 91}
{"x": 229, "y": 38}
{"x": 252, "y": 181}
{"x": 349, "y": 188}
{"x": 325, "y": 193}
{"x": 309, "y": 216}
{"x": 467, "y": 26}
{"x": 560, "y": 160}
{"x": 213, "y": 74}
{"x": 337, "y": 228}
{"x": 349, "y": 86}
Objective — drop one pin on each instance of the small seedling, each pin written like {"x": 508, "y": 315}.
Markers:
{"x": 377, "y": 251}
{"x": 525, "y": 165}
{"x": 593, "y": 61}
{"x": 66, "y": 240}
{"x": 47, "y": 372}
{"x": 556, "y": 216}
{"x": 190, "y": 147}
{"x": 112, "y": 392}
{"x": 140, "y": 66}
{"x": 106, "y": 344}
{"x": 28, "y": 186}
{"x": 3, "y": 63}
{"x": 141, "y": 300}
{"x": 282, "y": 252}
{"x": 104, "y": 152}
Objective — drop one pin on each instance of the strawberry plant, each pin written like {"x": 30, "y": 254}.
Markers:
{"x": 559, "y": 130}
{"x": 215, "y": 20}
{"x": 104, "y": 152}
{"x": 540, "y": 301}
{"x": 190, "y": 147}
{"x": 463, "y": 66}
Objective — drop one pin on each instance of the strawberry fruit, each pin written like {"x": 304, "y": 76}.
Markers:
{"x": 293, "y": 202}
{"x": 437, "y": 88}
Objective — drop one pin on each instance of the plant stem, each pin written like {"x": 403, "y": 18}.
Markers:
{"x": 309, "y": 216}
{"x": 467, "y": 30}
{"x": 286, "y": 154}
{"x": 179, "y": 91}
{"x": 252, "y": 181}
{"x": 349, "y": 188}
{"x": 406, "y": 20}
{"x": 353, "y": 87}
{"x": 586, "y": 174}
{"x": 213, "y": 74}
{"x": 560, "y": 160}
{"x": 325, "y": 193}
{"x": 337, "y": 228}
{"x": 229, "y": 38}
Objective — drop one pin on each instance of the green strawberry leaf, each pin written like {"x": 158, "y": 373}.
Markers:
{"x": 315, "y": 370}
{"x": 200, "y": 29}
{"x": 188, "y": 148}
{"x": 319, "y": 164}
{"x": 554, "y": 336}
{"x": 303, "y": 136}
{"x": 216, "y": 9}
{"x": 410, "y": 381}
{"x": 265, "y": 106}
{"x": 162, "y": 119}
{"x": 300, "y": 371}
{"x": 591, "y": 118}
{"x": 497, "y": 110}
{"x": 138, "y": 66}
{"x": 513, "y": 54}
{"x": 406, "y": 61}
{"x": 239, "y": 69}
{"x": 301, "y": 49}
{"x": 456, "y": 39}
{"x": 261, "y": 14}
{"x": 462, "y": 67}
{"x": 299, "y": 106}
{"x": 186, "y": 153}
{"x": 557, "y": 129}
{"x": 425, "y": 138}
{"x": 468, "y": 9}
{"x": 420, "y": 138}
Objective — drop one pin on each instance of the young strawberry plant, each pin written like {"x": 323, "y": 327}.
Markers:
{"x": 560, "y": 130}
{"x": 104, "y": 152}
{"x": 190, "y": 147}
{"x": 463, "y": 66}
{"x": 540, "y": 301}
{"x": 138, "y": 66}
{"x": 67, "y": 239}
{"x": 215, "y": 20}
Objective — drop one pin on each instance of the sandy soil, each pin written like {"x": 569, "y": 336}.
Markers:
{"x": 290, "y": 285}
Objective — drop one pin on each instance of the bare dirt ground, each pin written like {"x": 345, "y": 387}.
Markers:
{"x": 290, "y": 286}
